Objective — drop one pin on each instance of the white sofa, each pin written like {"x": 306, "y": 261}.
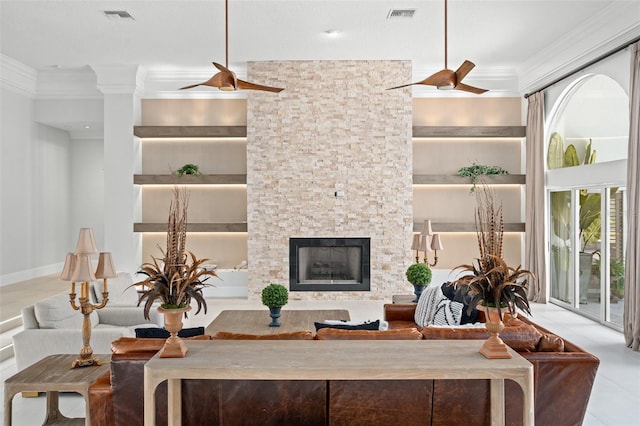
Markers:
{"x": 51, "y": 326}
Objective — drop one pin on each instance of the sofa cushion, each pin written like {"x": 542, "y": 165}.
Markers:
{"x": 447, "y": 312}
{"x": 396, "y": 334}
{"x": 56, "y": 312}
{"x": 434, "y": 308}
{"x": 120, "y": 291}
{"x": 161, "y": 333}
{"x": 369, "y": 325}
{"x": 519, "y": 336}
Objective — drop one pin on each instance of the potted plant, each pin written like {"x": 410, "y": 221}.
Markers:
{"x": 491, "y": 282}
{"x": 275, "y": 296}
{"x": 475, "y": 170}
{"x": 175, "y": 279}
{"x": 418, "y": 274}
{"x": 188, "y": 169}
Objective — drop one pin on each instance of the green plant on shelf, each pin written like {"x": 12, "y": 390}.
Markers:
{"x": 188, "y": 169}
{"x": 476, "y": 170}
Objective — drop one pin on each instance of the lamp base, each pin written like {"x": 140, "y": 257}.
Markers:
{"x": 85, "y": 362}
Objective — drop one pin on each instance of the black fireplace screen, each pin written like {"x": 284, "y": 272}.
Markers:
{"x": 329, "y": 264}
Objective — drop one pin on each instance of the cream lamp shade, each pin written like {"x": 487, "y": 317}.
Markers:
{"x": 83, "y": 270}
{"x": 105, "y": 269}
{"x": 426, "y": 228}
{"x": 436, "y": 243}
{"x": 86, "y": 242}
{"x": 69, "y": 266}
{"x": 415, "y": 245}
{"x": 424, "y": 245}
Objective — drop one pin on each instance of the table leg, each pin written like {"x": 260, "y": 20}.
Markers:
{"x": 53, "y": 412}
{"x": 174, "y": 413}
{"x": 528, "y": 409}
{"x": 150, "y": 385}
{"x": 497, "y": 402}
{"x": 8, "y": 405}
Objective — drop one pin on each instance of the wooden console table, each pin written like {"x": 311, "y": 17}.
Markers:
{"x": 257, "y": 321}
{"x": 52, "y": 375}
{"x": 336, "y": 360}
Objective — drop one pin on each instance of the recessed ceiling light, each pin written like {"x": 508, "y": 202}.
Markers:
{"x": 118, "y": 15}
{"x": 332, "y": 33}
{"x": 86, "y": 126}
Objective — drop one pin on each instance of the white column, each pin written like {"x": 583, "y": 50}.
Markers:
{"x": 120, "y": 84}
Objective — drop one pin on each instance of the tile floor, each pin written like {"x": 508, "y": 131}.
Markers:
{"x": 615, "y": 399}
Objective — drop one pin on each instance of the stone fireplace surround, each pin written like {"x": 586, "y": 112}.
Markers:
{"x": 331, "y": 155}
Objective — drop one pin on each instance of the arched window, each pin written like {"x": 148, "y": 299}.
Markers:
{"x": 586, "y": 177}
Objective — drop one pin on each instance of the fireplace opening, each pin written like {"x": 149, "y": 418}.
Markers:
{"x": 329, "y": 264}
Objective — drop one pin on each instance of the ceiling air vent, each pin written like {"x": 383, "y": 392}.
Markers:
{"x": 118, "y": 15}
{"x": 401, "y": 13}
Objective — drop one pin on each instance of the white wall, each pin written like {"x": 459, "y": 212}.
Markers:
{"x": 87, "y": 188}
{"x": 34, "y": 192}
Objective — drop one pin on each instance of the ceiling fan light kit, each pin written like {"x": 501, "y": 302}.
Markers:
{"x": 447, "y": 79}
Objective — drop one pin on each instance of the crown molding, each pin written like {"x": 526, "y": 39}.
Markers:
{"x": 16, "y": 76}
{"x": 119, "y": 79}
{"x": 581, "y": 45}
{"x": 71, "y": 83}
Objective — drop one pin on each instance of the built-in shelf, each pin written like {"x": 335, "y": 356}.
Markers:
{"x": 190, "y": 131}
{"x": 193, "y": 227}
{"x": 469, "y": 131}
{"x": 464, "y": 227}
{"x": 190, "y": 180}
{"x": 241, "y": 131}
{"x": 460, "y": 180}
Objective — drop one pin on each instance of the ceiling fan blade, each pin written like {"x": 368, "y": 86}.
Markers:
{"x": 464, "y": 69}
{"x": 400, "y": 87}
{"x": 252, "y": 86}
{"x": 225, "y": 80}
{"x": 221, "y": 67}
{"x": 444, "y": 77}
{"x": 467, "y": 88}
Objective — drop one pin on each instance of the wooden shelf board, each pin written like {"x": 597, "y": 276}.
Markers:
{"x": 221, "y": 179}
{"x": 464, "y": 227}
{"x": 241, "y": 131}
{"x": 460, "y": 180}
{"x": 193, "y": 227}
{"x": 469, "y": 131}
{"x": 190, "y": 131}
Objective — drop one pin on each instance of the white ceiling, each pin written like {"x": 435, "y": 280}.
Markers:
{"x": 507, "y": 39}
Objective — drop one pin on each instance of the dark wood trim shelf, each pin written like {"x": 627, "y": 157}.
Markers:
{"x": 221, "y": 179}
{"x": 193, "y": 227}
{"x": 464, "y": 227}
{"x": 469, "y": 131}
{"x": 460, "y": 180}
{"x": 190, "y": 131}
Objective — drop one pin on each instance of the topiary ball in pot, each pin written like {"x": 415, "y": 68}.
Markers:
{"x": 419, "y": 274}
{"x": 275, "y": 296}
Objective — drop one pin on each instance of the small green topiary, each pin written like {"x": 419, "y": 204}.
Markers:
{"x": 419, "y": 274}
{"x": 275, "y": 295}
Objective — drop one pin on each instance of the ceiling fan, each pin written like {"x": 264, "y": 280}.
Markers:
{"x": 447, "y": 79}
{"x": 226, "y": 79}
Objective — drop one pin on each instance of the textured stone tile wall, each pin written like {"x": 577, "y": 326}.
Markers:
{"x": 333, "y": 128}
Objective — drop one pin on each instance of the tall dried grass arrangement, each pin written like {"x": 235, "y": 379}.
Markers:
{"x": 491, "y": 281}
{"x": 177, "y": 227}
{"x": 177, "y": 277}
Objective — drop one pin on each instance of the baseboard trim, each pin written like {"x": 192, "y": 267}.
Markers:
{"x": 28, "y": 274}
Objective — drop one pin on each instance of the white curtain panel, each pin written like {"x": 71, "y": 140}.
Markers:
{"x": 631, "y": 317}
{"x": 535, "y": 198}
